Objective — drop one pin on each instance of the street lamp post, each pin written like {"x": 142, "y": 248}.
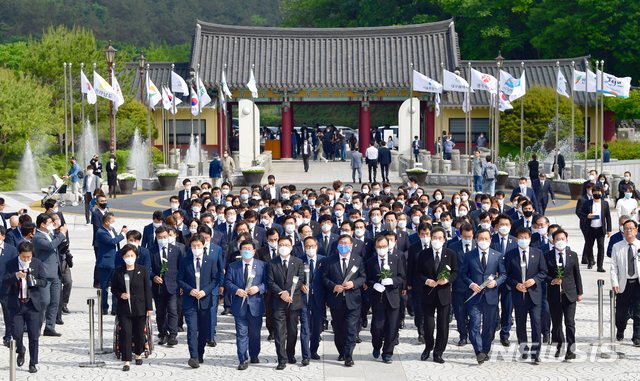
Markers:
{"x": 110, "y": 54}
{"x": 141, "y": 62}
{"x": 499, "y": 59}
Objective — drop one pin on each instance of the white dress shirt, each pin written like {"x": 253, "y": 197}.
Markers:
{"x": 596, "y": 210}
{"x": 371, "y": 153}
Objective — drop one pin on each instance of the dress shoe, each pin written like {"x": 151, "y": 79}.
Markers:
{"x": 376, "y": 353}
{"x": 524, "y": 356}
{"x": 281, "y": 366}
{"x": 387, "y": 360}
{"x": 341, "y": 358}
{"x": 397, "y": 341}
{"x": 358, "y": 339}
{"x": 51, "y": 332}
{"x": 226, "y": 311}
{"x": 438, "y": 359}
{"x": 314, "y": 356}
{"x": 536, "y": 359}
{"x": 584, "y": 261}
{"x": 7, "y": 343}
{"x": 305, "y": 362}
{"x": 590, "y": 265}
{"x": 425, "y": 355}
{"x": 410, "y": 312}
{"x": 481, "y": 357}
{"x": 505, "y": 342}
{"x": 558, "y": 352}
{"x": 291, "y": 360}
{"x": 162, "y": 340}
{"x": 421, "y": 339}
{"x": 201, "y": 360}
{"x": 138, "y": 361}
{"x": 270, "y": 337}
{"x": 619, "y": 336}
{"x": 180, "y": 329}
{"x": 65, "y": 310}
{"x": 20, "y": 360}
{"x": 601, "y": 270}
{"x": 325, "y": 326}
{"x": 105, "y": 312}
{"x": 545, "y": 339}
{"x": 462, "y": 342}
{"x": 348, "y": 361}
{"x": 59, "y": 322}
{"x": 33, "y": 369}
{"x": 113, "y": 313}
{"x": 402, "y": 324}
{"x": 570, "y": 356}
{"x": 636, "y": 342}
{"x": 255, "y": 360}
{"x": 364, "y": 322}
{"x": 193, "y": 362}
{"x": 243, "y": 365}
{"x": 126, "y": 368}
{"x": 172, "y": 341}
{"x": 211, "y": 343}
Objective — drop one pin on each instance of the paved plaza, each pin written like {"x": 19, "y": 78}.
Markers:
{"x": 60, "y": 356}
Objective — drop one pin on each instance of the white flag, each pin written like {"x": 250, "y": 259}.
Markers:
{"x": 481, "y": 81}
{"x": 580, "y": 81}
{"x": 519, "y": 87}
{"x": 453, "y": 82}
{"x": 116, "y": 87}
{"x": 437, "y": 104}
{"x": 87, "y": 88}
{"x": 195, "y": 107}
{"x": 225, "y": 88}
{"x": 614, "y": 86}
{"x": 223, "y": 102}
{"x": 103, "y": 88}
{"x": 424, "y": 84}
{"x": 204, "y": 98}
{"x": 153, "y": 94}
{"x": 466, "y": 107}
{"x": 504, "y": 103}
{"x": 178, "y": 85}
{"x": 561, "y": 87}
{"x": 167, "y": 100}
{"x": 512, "y": 87}
{"x": 252, "y": 85}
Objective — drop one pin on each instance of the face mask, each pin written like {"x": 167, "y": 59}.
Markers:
{"x": 331, "y": 197}
{"x": 523, "y": 242}
{"x": 272, "y": 183}
{"x": 485, "y": 226}
{"x": 311, "y": 202}
{"x": 172, "y": 240}
{"x": 344, "y": 249}
{"x": 345, "y": 233}
{"x": 391, "y": 225}
{"x": 24, "y": 264}
{"x": 484, "y": 245}
{"x": 51, "y": 228}
{"x": 376, "y": 220}
{"x": 456, "y": 201}
{"x": 627, "y": 178}
{"x": 357, "y": 206}
{"x": 592, "y": 177}
{"x": 504, "y": 230}
{"x": 291, "y": 228}
{"x": 311, "y": 252}
{"x": 466, "y": 241}
{"x": 257, "y": 198}
{"x": 528, "y": 213}
{"x": 561, "y": 245}
{"x": 89, "y": 172}
{"x": 365, "y": 190}
{"x": 175, "y": 206}
{"x": 244, "y": 196}
{"x": 387, "y": 190}
{"x": 103, "y": 205}
{"x": 437, "y": 244}
{"x": 197, "y": 252}
{"x": 479, "y": 205}
{"x": 486, "y": 207}
{"x": 415, "y": 220}
{"x": 382, "y": 252}
{"x": 464, "y": 197}
{"x": 597, "y": 196}
{"x": 339, "y": 213}
{"x": 326, "y": 228}
{"x": 438, "y": 197}
{"x": 628, "y": 195}
{"x": 196, "y": 209}
{"x": 376, "y": 192}
{"x": 523, "y": 186}
{"x": 541, "y": 231}
{"x": 130, "y": 261}
{"x": 251, "y": 225}
{"x": 157, "y": 224}
{"x": 210, "y": 225}
{"x": 231, "y": 219}
{"x": 247, "y": 254}
{"x": 359, "y": 232}
{"x": 225, "y": 192}
{"x": 402, "y": 224}
{"x": 163, "y": 242}
{"x": 425, "y": 240}
{"x": 298, "y": 222}
{"x": 306, "y": 220}
{"x": 284, "y": 251}
{"x": 55, "y": 210}
{"x": 112, "y": 160}
{"x": 446, "y": 224}
{"x": 265, "y": 221}
{"x": 437, "y": 215}
{"x": 193, "y": 231}
{"x": 221, "y": 218}
{"x": 285, "y": 196}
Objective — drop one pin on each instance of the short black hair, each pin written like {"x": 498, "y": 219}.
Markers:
{"x": 158, "y": 215}
{"x": 134, "y": 234}
{"x": 24, "y": 247}
{"x": 127, "y": 248}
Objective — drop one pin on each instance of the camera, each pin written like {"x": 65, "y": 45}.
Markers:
{"x": 27, "y": 271}
{"x": 31, "y": 280}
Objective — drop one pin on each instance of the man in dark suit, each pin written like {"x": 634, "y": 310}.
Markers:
{"x": 185, "y": 194}
{"x": 414, "y": 280}
{"x": 459, "y": 288}
{"x": 561, "y": 165}
{"x": 198, "y": 277}
{"x": 266, "y": 254}
{"x": 4, "y": 217}
{"x": 327, "y": 238}
{"x": 563, "y": 292}
{"x": 258, "y": 233}
{"x": 314, "y": 308}
{"x": 96, "y": 221}
{"x": 528, "y": 192}
{"x": 286, "y": 307}
{"x": 343, "y": 277}
{"x": 385, "y": 297}
{"x": 384, "y": 158}
{"x": 430, "y": 265}
{"x": 584, "y": 224}
{"x": 527, "y": 297}
{"x": 305, "y": 150}
{"x": 165, "y": 262}
{"x": 174, "y": 203}
{"x": 7, "y": 253}
{"x": 503, "y": 242}
{"x": 267, "y": 220}
{"x": 542, "y": 189}
{"x": 617, "y": 236}
{"x": 593, "y": 176}
{"x": 391, "y": 223}
{"x": 108, "y": 242}
{"x": 597, "y": 219}
{"x": 24, "y": 300}
{"x": 271, "y": 190}
{"x": 228, "y": 229}
{"x": 478, "y": 265}
{"x": 485, "y": 199}
{"x": 527, "y": 220}
{"x": 248, "y": 304}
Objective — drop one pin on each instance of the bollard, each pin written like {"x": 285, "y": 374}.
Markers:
{"x": 612, "y": 309}
{"x": 601, "y": 317}
{"x": 12, "y": 360}
{"x": 101, "y": 350}
{"x": 92, "y": 354}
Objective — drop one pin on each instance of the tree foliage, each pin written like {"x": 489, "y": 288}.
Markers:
{"x": 624, "y": 109}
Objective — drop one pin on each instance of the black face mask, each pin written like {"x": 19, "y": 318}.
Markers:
{"x": 103, "y": 206}
{"x": 272, "y": 184}
{"x": 527, "y": 213}
{"x": 597, "y": 196}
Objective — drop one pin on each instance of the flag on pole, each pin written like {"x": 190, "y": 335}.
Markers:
{"x": 103, "y": 88}
{"x": 464, "y": 104}
{"x": 178, "y": 85}
{"x": 481, "y": 81}
{"x": 614, "y": 86}
{"x": 87, "y": 88}
{"x": 225, "y": 88}
{"x": 512, "y": 87}
{"x": 153, "y": 94}
{"x": 223, "y": 102}
{"x": 561, "y": 87}
{"x": 116, "y": 87}
{"x": 424, "y": 84}
{"x": 205, "y": 99}
{"x": 167, "y": 100}
{"x": 252, "y": 85}
{"x": 195, "y": 103}
{"x": 520, "y": 88}
{"x": 580, "y": 81}
{"x": 453, "y": 82}
{"x": 437, "y": 104}
{"x": 504, "y": 103}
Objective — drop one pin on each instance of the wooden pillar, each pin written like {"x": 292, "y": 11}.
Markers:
{"x": 287, "y": 126}
{"x": 609, "y": 126}
{"x": 431, "y": 129}
{"x": 365, "y": 128}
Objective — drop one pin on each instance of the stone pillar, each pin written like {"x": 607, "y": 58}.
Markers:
{"x": 446, "y": 166}
{"x": 287, "y": 126}
{"x": 455, "y": 159}
{"x": 613, "y": 188}
{"x": 408, "y": 127}
{"x": 510, "y": 166}
{"x": 425, "y": 158}
{"x": 192, "y": 169}
{"x": 364, "y": 130}
{"x": 464, "y": 164}
{"x": 435, "y": 164}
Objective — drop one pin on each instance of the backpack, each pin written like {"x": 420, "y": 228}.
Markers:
{"x": 490, "y": 172}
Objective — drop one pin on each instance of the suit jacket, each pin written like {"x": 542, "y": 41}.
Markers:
{"x": 359, "y": 248}
{"x": 579, "y": 204}
{"x": 471, "y": 271}
{"x": 108, "y": 248}
{"x": 143, "y": 259}
{"x": 264, "y": 254}
{"x": 536, "y": 270}
{"x": 13, "y": 237}
{"x": 267, "y": 192}
{"x": 520, "y": 224}
{"x": 5, "y": 217}
{"x": 274, "y": 225}
{"x": 317, "y": 293}
{"x": 7, "y": 254}
{"x": 234, "y": 281}
{"x": 531, "y": 195}
{"x": 279, "y": 279}
{"x": 148, "y": 236}
{"x": 572, "y": 281}
{"x": 260, "y": 235}
{"x": 543, "y": 192}
{"x": 402, "y": 240}
{"x": 413, "y": 277}
{"x": 459, "y": 285}
{"x": 92, "y": 187}
{"x": 47, "y": 252}
{"x": 10, "y": 281}
{"x": 618, "y": 271}
{"x": 605, "y": 215}
{"x": 384, "y": 156}
{"x": 139, "y": 291}
{"x": 332, "y": 276}
{"x": 325, "y": 251}
{"x": 215, "y": 254}
{"x": 426, "y": 269}
{"x": 96, "y": 221}
{"x": 392, "y": 292}
{"x": 224, "y": 229}
{"x": 170, "y": 284}
{"x": 209, "y": 280}
{"x": 584, "y": 186}
{"x": 169, "y": 212}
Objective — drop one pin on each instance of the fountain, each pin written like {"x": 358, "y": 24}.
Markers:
{"x": 139, "y": 157}
{"x": 87, "y": 146}
{"x": 28, "y": 178}
{"x": 192, "y": 156}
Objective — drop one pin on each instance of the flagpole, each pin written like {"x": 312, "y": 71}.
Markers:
{"x": 96, "y": 122}
{"x": 522, "y": 127}
{"x": 493, "y": 133}
{"x": 174, "y": 111}
{"x": 595, "y": 166}
{"x": 497, "y": 111}
{"x": 253, "y": 116}
{"x": 149, "y": 126}
{"x": 411, "y": 105}
{"x": 586, "y": 105}
{"x": 73, "y": 138}
{"x": 114, "y": 110}
{"x": 602, "y": 115}
{"x": 84, "y": 159}
{"x": 66, "y": 121}
{"x": 442, "y": 117}
{"x": 555, "y": 168}
{"x": 201, "y": 167}
{"x": 470, "y": 122}
{"x": 573, "y": 140}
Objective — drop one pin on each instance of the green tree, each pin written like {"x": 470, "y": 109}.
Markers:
{"x": 625, "y": 109}
{"x": 131, "y": 115}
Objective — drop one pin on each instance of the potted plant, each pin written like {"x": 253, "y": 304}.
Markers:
{"x": 419, "y": 173}
{"x": 502, "y": 180}
{"x": 167, "y": 179}
{"x": 253, "y": 175}
{"x": 575, "y": 188}
{"x": 127, "y": 182}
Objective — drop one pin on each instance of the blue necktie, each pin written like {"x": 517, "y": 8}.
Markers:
{"x": 198, "y": 264}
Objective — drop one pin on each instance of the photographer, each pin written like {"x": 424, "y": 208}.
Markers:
{"x": 66, "y": 263}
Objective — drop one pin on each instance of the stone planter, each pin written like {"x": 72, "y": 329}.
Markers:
{"x": 420, "y": 176}
{"x": 576, "y": 191}
{"x": 127, "y": 186}
{"x": 502, "y": 181}
{"x": 251, "y": 178}
{"x": 167, "y": 182}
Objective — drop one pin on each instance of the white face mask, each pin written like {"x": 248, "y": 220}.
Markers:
{"x": 456, "y": 201}
{"x": 197, "y": 252}
{"x": 130, "y": 261}
{"x": 402, "y": 224}
{"x": 231, "y": 219}
{"x": 387, "y": 190}
{"x": 415, "y": 220}
{"x": 486, "y": 207}
{"x": 339, "y": 213}
{"x": 326, "y": 228}
{"x": 172, "y": 240}
{"x": 357, "y": 206}
{"x": 485, "y": 226}
{"x": 225, "y": 192}
{"x": 464, "y": 197}
{"x": 273, "y": 245}
{"x": 359, "y": 232}
{"x": 306, "y": 220}
{"x": 561, "y": 245}
{"x": 541, "y": 231}
{"x": 193, "y": 231}
{"x": 437, "y": 244}
{"x": 284, "y": 251}
{"x": 446, "y": 224}
{"x": 55, "y": 210}
{"x": 382, "y": 252}
{"x": 51, "y": 228}
{"x": 311, "y": 252}
{"x": 484, "y": 245}
{"x": 265, "y": 221}
{"x": 250, "y": 224}
{"x": 376, "y": 219}
{"x": 438, "y": 197}
{"x": 504, "y": 230}
{"x": 425, "y": 240}
{"x": 196, "y": 209}
{"x": 285, "y": 196}
{"x": 437, "y": 215}
{"x": 175, "y": 206}
{"x": 279, "y": 211}
{"x": 289, "y": 228}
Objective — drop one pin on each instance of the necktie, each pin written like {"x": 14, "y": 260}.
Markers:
{"x": 198, "y": 264}
{"x": 273, "y": 253}
{"x": 560, "y": 261}
{"x": 164, "y": 253}
{"x": 544, "y": 240}
{"x": 344, "y": 267}
{"x": 524, "y": 257}
{"x": 326, "y": 244}
{"x": 246, "y": 274}
{"x": 502, "y": 245}
{"x": 448, "y": 234}
{"x": 285, "y": 264}
{"x": 437, "y": 259}
{"x": 382, "y": 264}
{"x": 484, "y": 260}
{"x": 467, "y": 248}
{"x": 312, "y": 268}
{"x": 631, "y": 270}
{"x": 375, "y": 232}
{"x": 229, "y": 232}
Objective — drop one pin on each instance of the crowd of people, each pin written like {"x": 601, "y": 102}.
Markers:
{"x": 318, "y": 258}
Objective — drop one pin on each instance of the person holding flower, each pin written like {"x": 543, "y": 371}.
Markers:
{"x": 437, "y": 267}
{"x": 385, "y": 275}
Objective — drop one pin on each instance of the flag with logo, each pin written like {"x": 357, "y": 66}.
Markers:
{"x": 252, "y": 85}
{"x": 225, "y": 88}
{"x": 178, "y": 85}
{"x": 153, "y": 94}
{"x": 453, "y": 82}
{"x": 561, "y": 87}
{"x": 195, "y": 103}
{"x": 86, "y": 88}
{"x": 512, "y": 87}
{"x": 580, "y": 81}
{"x": 103, "y": 88}
{"x": 504, "y": 103}
{"x": 205, "y": 99}
{"x": 116, "y": 87}
{"x": 167, "y": 100}
{"x": 424, "y": 84}
{"x": 614, "y": 86}
{"x": 437, "y": 104}
{"x": 481, "y": 81}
